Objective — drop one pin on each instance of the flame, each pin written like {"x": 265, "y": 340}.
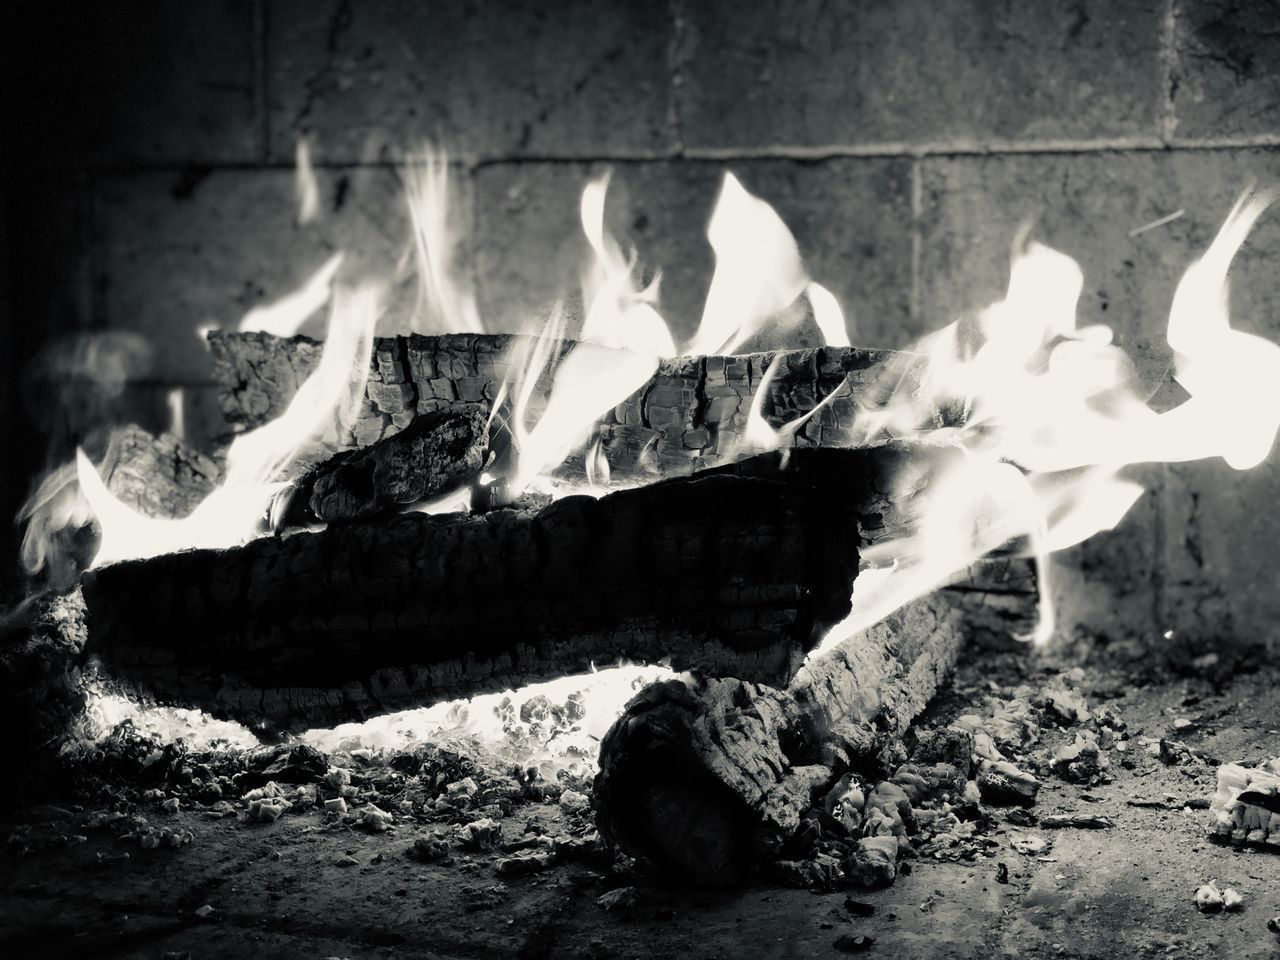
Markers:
{"x": 618, "y": 315}
{"x": 586, "y": 382}
{"x": 758, "y": 435}
{"x": 285, "y": 317}
{"x": 758, "y": 270}
{"x": 306, "y": 189}
{"x": 1040, "y": 414}
{"x": 622, "y": 339}
{"x": 828, "y": 315}
{"x": 1048, "y": 418}
{"x": 445, "y": 301}
{"x": 56, "y": 505}
{"x": 256, "y": 461}
{"x": 596, "y": 466}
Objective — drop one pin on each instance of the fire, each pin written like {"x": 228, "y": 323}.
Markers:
{"x": 1042, "y": 411}
{"x": 285, "y": 316}
{"x": 1050, "y": 419}
{"x": 445, "y": 301}
{"x": 256, "y": 461}
{"x": 758, "y": 274}
{"x": 618, "y": 315}
{"x": 621, "y": 341}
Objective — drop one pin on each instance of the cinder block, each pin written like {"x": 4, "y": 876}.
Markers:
{"x": 1087, "y": 206}
{"x": 851, "y": 219}
{"x": 144, "y": 82}
{"x": 1219, "y": 533}
{"x": 179, "y": 253}
{"x": 1108, "y": 586}
{"x": 964, "y": 72}
{"x": 493, "y": 79}
{"x": 1227, "y": 73}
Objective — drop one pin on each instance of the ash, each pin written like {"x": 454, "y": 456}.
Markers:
{"x": 1071, "y": 807}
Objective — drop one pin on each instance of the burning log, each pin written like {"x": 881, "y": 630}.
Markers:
{"x": 736, "y": 572}
{"x": 436, "y": 453}
{"x": 708, "y": 778}
{"x": 692, "y": 414}
{"x": 158, "y": 476}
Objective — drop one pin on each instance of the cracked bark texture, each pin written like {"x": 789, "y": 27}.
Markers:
{"x": 690, "y": 415}
{"x": 159, "y": 476}
{"x": 725, "y": 574}
{"x": 707, "y": 778}
{"x": 435, "y": 454}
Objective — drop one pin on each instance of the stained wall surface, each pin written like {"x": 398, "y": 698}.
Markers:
{"x": 148, "y": 190}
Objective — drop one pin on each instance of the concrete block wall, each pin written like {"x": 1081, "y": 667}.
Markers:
{"x": 150, "y": 185}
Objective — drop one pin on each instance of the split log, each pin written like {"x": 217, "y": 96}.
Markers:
{"x": 691, "y": 415}
{"x": 707, "y": 778}
{"x": 435, "y": 454}
{"x": 725, "y": 573}
{"x": 158, "y": 476}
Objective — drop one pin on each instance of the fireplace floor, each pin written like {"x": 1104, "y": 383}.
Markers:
{"x": 280, "y": 889}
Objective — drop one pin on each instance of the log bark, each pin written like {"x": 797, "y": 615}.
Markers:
{"x": 707, "y": 778}
{"x": 435, "y": 454}
{"x": 726, "y": 573}
{"x": 690, "y": 416}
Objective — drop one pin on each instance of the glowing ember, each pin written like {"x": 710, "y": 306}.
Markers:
{"x": 560, "y": 720}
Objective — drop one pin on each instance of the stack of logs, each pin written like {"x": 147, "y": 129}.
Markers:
{"x": 729, "y": 566}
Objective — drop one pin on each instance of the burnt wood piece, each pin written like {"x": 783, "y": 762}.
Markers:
{"x": 707, "y": 778}
{"x": 726, "y": 574}
{"x": 435, "y": 454}
{"x": 158, "y": 476}
{"x": 689, "y": 416}
{"x": 43, "y": 677}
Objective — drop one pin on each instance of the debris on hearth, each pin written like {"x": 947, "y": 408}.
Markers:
{"x": 854, "y": 943}
{"x": 1076, "y": 821}
{"x": 1246, "y": 807}
{"x": 1210, "y": 898}
{"x": 940, "y": 794}
{"x": 1081, "y": 761}
{"x": 939, "y": 804}
{"x": 619, "y": 898}
{"x": 484, "y": 896}
{"x": 1030, "y": 846}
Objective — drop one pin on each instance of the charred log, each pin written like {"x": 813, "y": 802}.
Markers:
{"x": 158, "y": 476}
{"x": 43, "y": 677}
{"x": 435, "y": 454}
{"x": 708, "y": 778}
{"x": 724, "y": 573}
{"x": 692, "y": 414}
